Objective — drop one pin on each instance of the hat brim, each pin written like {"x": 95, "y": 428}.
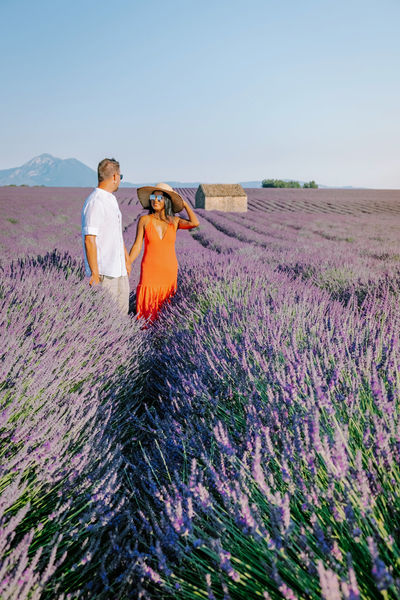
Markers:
{"x": 144, "y": 197}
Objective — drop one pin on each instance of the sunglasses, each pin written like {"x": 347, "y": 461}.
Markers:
{"x": 158, "y": 197}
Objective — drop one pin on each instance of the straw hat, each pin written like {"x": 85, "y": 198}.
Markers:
{"x": 145, "y": 191}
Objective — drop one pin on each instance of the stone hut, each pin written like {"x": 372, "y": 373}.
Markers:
{"x": 221, "y": 196}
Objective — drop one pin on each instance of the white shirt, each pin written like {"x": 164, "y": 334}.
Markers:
{"x": 101, "y": 217}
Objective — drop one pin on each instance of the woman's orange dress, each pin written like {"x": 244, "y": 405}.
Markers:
{"x": 159, "y": 271}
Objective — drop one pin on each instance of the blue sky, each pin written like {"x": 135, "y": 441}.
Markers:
{"x": 210, "y": 90}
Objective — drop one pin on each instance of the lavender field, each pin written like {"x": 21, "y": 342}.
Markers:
{"x": 246, "y": 446}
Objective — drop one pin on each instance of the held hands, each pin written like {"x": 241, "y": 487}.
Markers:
{"x": 94, "y": 280}
{"x": 128, "y": 266}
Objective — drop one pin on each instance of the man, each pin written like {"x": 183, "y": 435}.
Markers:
{"x": 106, "y": 258}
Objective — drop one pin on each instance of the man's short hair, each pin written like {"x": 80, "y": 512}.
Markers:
{"x": 106, "y": 168}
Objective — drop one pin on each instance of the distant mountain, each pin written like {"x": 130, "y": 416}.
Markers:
{"x": 195, "y": 184}
{"x": 183, "y": 184}
{"x": 257, "y": 184}
{"x": 250, "y": 184}
{"x": 174, "y": 184}
{"x": 246, "y": 184}
{"x": 51, "y": 171}
{"x": 57, "y": 172}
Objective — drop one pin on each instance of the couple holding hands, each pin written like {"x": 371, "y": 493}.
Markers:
{"x": 107, "y": 261}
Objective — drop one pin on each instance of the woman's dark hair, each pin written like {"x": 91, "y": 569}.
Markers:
{"x": 167, "y": 205}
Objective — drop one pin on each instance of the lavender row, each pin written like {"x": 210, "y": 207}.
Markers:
{"x": 264, "y": 459}
{"x": 272, "y": 468}
{"x": 71, "y": 383}
{"x": 38, "y": 220}
{"x": 336, "y": 265}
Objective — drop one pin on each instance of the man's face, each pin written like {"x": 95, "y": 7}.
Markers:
{"x": 116, "y": 180}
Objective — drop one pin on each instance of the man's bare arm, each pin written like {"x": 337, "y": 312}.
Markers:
{"x": 127, "y": 261}
{"x": 91, "y": 253}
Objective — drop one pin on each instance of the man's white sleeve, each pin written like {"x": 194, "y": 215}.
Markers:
{"x": 92, "y": 218}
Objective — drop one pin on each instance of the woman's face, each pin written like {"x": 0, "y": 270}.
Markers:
{"x": 157, "y": 200}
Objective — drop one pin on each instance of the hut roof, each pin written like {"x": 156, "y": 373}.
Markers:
{"x": 222, "y": 189}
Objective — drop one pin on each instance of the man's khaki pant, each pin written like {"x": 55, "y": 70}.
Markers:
{"x": 119, "y": 289}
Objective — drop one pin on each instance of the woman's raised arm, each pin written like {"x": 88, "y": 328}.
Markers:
{"x": 192, "y": 221}
{"x": 137, "y": 245}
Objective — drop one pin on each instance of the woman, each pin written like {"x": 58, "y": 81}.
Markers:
{"x": 159, "y": 268}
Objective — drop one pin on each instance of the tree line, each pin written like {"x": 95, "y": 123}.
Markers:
{"x": 280, "y": 183}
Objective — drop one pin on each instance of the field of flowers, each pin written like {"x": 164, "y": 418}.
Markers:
{"x": 245, "y": 446}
